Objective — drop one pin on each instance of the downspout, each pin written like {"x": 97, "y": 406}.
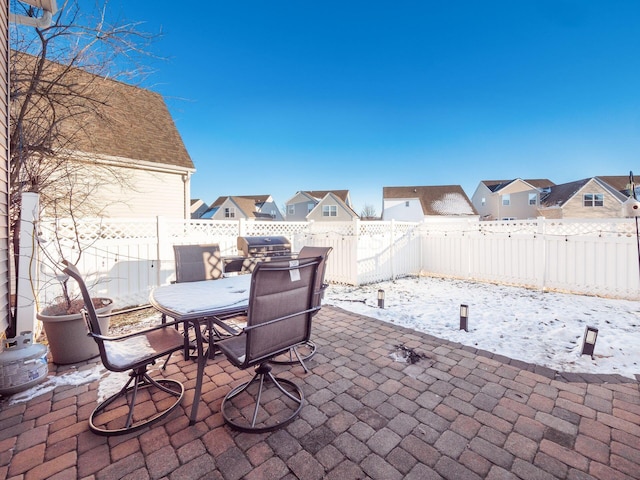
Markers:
{"x": 43, "y": 22}
{"x": 48, "y": 7}
{"x": 187, "y": 195}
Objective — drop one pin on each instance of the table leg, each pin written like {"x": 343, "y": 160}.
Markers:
{"x": 202, "y": 362}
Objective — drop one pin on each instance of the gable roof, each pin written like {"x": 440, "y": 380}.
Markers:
{"x": 256, "y": 199}
{"x": 331, "y": 196}
{"x": 247, "y": 204}
{"x": 122, "y": 120}
{"x": 560, "y": 194}
{"x": 497, "y": 185}
{"x": 435, "y": 200}
{"x": 320, "y": 194}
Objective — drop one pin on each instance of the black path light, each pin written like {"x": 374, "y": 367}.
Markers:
{"x": 380, "y": 298}
{"x": 464, "y": 317}
{"x": 589, "y": 341}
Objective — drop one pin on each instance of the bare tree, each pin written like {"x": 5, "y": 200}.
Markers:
{"x": 368, "y": 212}
{"x": 57, "y": 91}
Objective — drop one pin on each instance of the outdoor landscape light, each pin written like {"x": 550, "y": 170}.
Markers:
{"x": 380, "y": 298}
{"x": 464, "y": 317}
{"x": 589, "y": 341}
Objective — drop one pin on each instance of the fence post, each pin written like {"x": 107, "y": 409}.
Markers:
{"x": 542, "y": 249}
{"x": 392, "y": 251}
{"x": 161, "y": 234}
{"x": 354, "y": 253}
{"x": 27, "y": 281}
{"x": 469, "y": 245}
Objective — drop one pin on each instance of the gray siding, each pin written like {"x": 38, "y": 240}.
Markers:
{"x": 4, "y": 166}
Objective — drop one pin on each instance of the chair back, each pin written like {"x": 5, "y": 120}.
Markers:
{"x": 198, "y": 262}
{"x": 320, "y": 286}
{"x": 90, "y": 314}
{"x": 281, "y": 303}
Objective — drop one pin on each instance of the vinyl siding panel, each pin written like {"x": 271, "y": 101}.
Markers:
{"x": 153, "y": 194}
{"x": 4, "y": 167}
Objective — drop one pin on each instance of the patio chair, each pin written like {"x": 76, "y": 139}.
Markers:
{"x": 198, "y": 262}
{"x": 143, "y": 400}
{"x": 306, "y": 350}
{"x": 194, "y": 263}
{"x": 281, "y": 304}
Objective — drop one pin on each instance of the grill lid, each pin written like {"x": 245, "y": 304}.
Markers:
{"x": 263, "y": 246}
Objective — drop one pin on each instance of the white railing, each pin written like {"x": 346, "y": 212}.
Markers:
{"x": 127, "y": 257}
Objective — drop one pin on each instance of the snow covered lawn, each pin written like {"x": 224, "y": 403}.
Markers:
{"x": 542, "y": 328}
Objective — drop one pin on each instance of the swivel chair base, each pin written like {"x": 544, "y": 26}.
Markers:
{"x": 249, "y": 412}
{"x": 143, "y": 401}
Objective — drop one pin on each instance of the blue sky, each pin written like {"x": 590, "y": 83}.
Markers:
{"x": 276, "y": 96}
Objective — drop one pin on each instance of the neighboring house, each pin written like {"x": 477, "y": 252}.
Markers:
{"x": 320, "y": 205}
{"x": 251, "y": 207}
{"x": 509, "y": 199}
{"x": 126, "y": 138}
{"x": 415, "y": 204}
{"x": 198, "y": 207}
{"x": 596, "y": 197}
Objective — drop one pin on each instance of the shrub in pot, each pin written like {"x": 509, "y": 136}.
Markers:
{"x": 66, "y": 330}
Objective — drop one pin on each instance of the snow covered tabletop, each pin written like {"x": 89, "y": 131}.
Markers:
{"x": 196, "y": 299}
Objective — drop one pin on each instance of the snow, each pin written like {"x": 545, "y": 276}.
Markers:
{"x": 69, "y": 378}
{"x": 545, "y": 329}
{"x": 452, "y": 204}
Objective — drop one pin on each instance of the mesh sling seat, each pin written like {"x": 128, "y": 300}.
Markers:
{"x": 281, "y": 305}
{"x": 143, "y": 400}
{"x": 306, "y": 350}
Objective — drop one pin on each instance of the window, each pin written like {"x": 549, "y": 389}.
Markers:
{"x": 310, "y": 206}
{"x": 329, "y": 211}
{"x": 406, "y": 204}
{"x": 483, "y": 202}
{"x": 533, "y": 199}
{"x": 506, "y": 199}
{"x": 230, "y": 212}
{"x": 593, "y": 199}
{"x": 291, "y": 209}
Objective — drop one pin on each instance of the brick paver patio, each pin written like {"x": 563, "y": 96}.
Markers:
{"x": 457, "y": 414}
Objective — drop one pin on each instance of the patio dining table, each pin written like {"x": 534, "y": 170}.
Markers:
{"x": 196, "y": 303}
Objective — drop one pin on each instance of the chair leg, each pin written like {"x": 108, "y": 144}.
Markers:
{"x": 288, "y": 357}
{"x": 236, "y": 417}
{"x": 112, "y": 422}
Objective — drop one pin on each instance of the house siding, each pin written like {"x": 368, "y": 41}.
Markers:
{"x": 156, "y": 193}
{"x": 397, "y": 209}
{"x": 574, "y": 207}
{"x": 300, "y": 203}
{"x": 228, "y": 203}
{"x": 342, "y": 213}
{"x": 270, "y": 207}
{"x": 489, "y": 207}
{"x": 518, "y": 208}
{"x": 4, "y": 169}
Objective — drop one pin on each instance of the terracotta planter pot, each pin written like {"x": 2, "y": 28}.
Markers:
{"x": 67, "y": 334}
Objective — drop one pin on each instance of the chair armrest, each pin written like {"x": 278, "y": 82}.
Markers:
{"x": 109, "y": 338}
{"x": 279, "y": 319}
{"x": 226, "y": 327}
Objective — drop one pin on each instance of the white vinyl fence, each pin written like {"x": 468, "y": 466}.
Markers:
{"x": 125, "y": 258}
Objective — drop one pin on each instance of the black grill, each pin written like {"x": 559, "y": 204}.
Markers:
{"x": 263, "y": 247}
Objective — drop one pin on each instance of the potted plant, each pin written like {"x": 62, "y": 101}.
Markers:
{"x": 62, "y": 319}
{"x": 65, "y": 328}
